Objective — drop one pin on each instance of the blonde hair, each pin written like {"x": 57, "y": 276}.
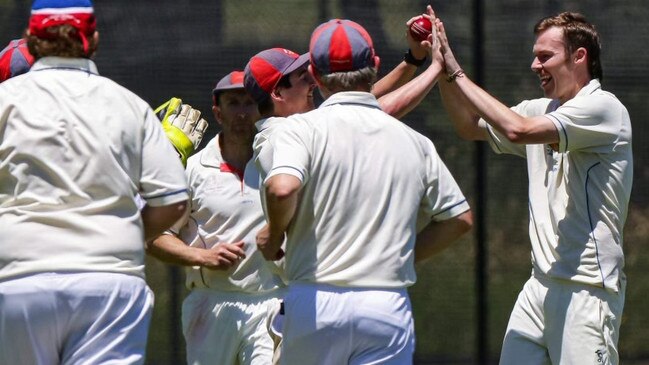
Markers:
{"x": 362, "y": 79}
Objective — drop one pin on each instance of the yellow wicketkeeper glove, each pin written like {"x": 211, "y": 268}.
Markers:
{"x": 183, "y": 126}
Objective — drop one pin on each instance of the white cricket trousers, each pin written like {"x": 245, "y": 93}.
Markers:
{"x": 228, "y": 328}
{"x": 74, "y": 319}
{"x": 563, "y": 322}
{"x": 329, "y": 325}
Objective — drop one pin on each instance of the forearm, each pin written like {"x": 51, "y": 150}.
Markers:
{"x": 465, "y": 118}
{"x": 498, "y": 115}
{"x": 281, "y": 200}
{"x": 171, "y": 249}
{"x": 399, "y": 76}
{"x": 401, "y": 101}
{"x": 437, "y": 236}
{"x": 515, "y": 127}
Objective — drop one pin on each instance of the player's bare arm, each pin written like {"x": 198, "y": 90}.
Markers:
{"x": 466, "y": 102}
{"x": 437, "y": 236}
{"x": 157, "y": 219}
{"x": 465, "y": 118}
{"x": 171, "y": 249}
{"x": 400, "y": 102}
{"x": 282, "y": 192}
{"x": 404, "y": 71}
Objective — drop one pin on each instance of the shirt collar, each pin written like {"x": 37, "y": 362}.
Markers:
{"x": 211, "y": 154}
{"x": 80, "y": 64}
{"x": 266, "y": 123}
{"x": 352, "y": 97}
{"x": 590, "y": 88}
{"x": 212, "y": 157}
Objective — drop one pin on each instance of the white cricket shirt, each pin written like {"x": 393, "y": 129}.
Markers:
{"x": 263, "y": 144}
{"x": 225, "y": 207}
{"x": 263, "y": 154}
{"x": 579, "y": 194}
{"x": 366, "y": 179}
{"x": 75, "y": 148}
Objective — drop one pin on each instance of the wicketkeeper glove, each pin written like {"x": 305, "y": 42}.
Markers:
{"x": 183, "y": 126}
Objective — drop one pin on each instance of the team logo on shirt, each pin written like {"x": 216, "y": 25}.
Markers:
{"x": 211, "y": 184}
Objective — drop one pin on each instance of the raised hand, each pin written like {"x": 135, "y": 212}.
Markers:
{"x": 445, "y": 53}
{"x": 419, "y": 49}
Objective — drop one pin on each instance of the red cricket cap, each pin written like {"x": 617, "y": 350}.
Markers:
{"x": 15, "y": 59}
{"x": 266, "y": 68}
{"x": 341, "y": 46}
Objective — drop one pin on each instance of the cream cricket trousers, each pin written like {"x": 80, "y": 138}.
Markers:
{"x": 228, "y": 328}
{"x": 563, "y": 322}
{"x": 74, "y": 318}
{"x": 325, "y": 325}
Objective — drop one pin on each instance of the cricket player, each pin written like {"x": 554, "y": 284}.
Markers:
{"x": 360, "y": 197}
{"x": 182, "y": 123}
{"x": 75, "y": 148}
{"x": 217, "y": 243}
{"x": 280, "y": 84}
{"x": 278, "y": 80}
{"x": 232, "y": 287}
{"x": 577, "y": 143}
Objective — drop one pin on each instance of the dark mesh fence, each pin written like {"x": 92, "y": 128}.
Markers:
{"x": 181, "y": 48}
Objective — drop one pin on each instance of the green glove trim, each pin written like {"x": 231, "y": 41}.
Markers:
{"x": 180, "y": 141}
{"x": 183, "y": 126}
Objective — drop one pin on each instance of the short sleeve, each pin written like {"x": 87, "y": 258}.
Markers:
{"x": 443, "y": 198}
{"x": 290, "y": 149}
{"x": 588, "y": 123}
{"x": 262, "y": 145}
{"x": 162, "y": 181}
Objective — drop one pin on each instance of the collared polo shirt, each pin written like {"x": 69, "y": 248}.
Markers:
{"x": 225, "y": 207}
{"x": 579, "y": 190}
{"x": 369, "y": 184}
{"x": 263, "y": 144}
{"x": 75, "y": 148}
{"x": 263, "y": 151}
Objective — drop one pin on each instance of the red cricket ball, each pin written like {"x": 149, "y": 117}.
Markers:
{"x": 421, "y": 28}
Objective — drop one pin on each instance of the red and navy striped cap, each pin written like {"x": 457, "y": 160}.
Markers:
{"x": 231, "y": 81}
{"x": 15, "y": 59}
{"x": 266, "y": 68}
{"x": 340, "y": 46}
{"x": 50, "y": 13}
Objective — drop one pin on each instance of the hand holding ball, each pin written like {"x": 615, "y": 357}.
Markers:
{"x": 421, "y": 28}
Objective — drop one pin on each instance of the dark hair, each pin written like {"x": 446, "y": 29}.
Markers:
{"x": 266, "y": 107}
{"x": 216, "y": 97}
{"x": 577, "y": 32}
{"x": 64, "y": 42}
{"x": 284, "y": 82}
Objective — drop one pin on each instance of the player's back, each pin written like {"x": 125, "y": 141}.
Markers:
{"x": 71, "y": 145}
{"x": 366, "y": 178}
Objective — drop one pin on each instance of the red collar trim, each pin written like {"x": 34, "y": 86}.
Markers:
{"x": 226, "y": 167}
